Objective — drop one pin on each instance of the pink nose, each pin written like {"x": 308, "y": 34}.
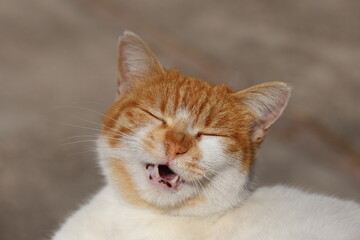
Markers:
{"x": 176, "y": 143}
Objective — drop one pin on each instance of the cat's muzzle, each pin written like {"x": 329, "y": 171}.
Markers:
{"x": 163, "y": 175}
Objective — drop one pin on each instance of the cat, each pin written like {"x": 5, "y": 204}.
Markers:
{"x": 178, "y": 153}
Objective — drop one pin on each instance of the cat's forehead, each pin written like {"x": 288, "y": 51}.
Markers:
{"x": 176, "y": 93}
{"x": 182, "y": 96}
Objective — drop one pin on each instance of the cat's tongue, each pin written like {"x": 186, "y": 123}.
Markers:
{"x": 162, "y": 174}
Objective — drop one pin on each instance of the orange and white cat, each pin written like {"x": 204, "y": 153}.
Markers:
{"x": 177, "y": 154}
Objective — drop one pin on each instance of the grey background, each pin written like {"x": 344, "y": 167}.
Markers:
{"x": 58, "y": 58}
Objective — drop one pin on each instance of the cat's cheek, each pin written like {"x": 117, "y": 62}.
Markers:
{"x": 152, "y": 141}
{"x": 242, "y": 151}
{"x": 213, "y": 152}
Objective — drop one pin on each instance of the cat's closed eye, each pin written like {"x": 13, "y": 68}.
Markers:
{"x": 199, "y": 134}
{"x": 154, "y": 116}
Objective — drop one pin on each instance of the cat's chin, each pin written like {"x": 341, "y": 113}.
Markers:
{"x": 163, "y": 177}
{"x": 163, "y": 187}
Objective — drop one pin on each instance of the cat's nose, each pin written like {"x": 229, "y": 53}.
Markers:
{"x": 176, "y": 143}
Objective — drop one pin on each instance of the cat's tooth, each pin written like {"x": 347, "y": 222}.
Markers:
{"x": 174, "y": 180}
{"x": 157, "y": 175}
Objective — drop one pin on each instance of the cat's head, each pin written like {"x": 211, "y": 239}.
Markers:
{"x": 180, "y": 144}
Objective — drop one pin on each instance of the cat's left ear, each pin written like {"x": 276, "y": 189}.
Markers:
{"x": 266, "y": 101}
{"x": 136, "y": 62}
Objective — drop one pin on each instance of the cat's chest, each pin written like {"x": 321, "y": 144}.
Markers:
{"x": 153, "y": 226}
{"x": 107, "y": 217}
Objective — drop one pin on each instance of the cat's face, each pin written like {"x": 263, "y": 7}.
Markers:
{"x": 173, "y": 142}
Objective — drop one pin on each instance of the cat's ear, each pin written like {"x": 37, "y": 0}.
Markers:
{"x": 136, "y": 62}
{"x": 266, "y": 101}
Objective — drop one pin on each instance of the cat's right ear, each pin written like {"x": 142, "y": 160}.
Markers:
{"x": 136, "y": 62}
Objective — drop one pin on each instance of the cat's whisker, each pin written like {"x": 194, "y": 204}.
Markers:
{"x": 90, "y": 128}
{"x": 98, "y": 124}
{"x": 81, "y": 136}
{"x": 78, "y": 126}
{"x": 210, "y": 168}
{"x": 91, "y": 110}
{"x": 202, "y": 170}
{"x": 74, "y": 142}
{"x": 117, "y": 131}
{"x": 123, "y": 140}
{"x": 214, "y": 173}
{"x": 86, "y": 136}
{"x": 215, "y": 185}
{"x": 86, "y": 120}
{"x": 120, "y": 140}
{"x": 203, "y": 189}
{"x": 88, "y": 109}
{"x": 197, "y": 190}
{"x": 82, "y": 152}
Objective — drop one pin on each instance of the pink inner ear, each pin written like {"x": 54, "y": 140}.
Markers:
{"x": 263, "y": 127}
{"x": 270, "y": 117}
{"x": 267, "y": 101}
{"x": 136, "y": 62}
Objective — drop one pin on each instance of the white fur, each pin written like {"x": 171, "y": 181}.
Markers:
{"x": 270, "y": 213}
{"x": 223, "y": 186}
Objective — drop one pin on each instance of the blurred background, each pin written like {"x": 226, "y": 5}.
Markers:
{"x": 58, "y": 74}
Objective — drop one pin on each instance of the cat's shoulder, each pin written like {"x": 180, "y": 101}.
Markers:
{"x": 283, "y": 212}
{"x": 91, "y": 220}
{"x": 282, "y": 196}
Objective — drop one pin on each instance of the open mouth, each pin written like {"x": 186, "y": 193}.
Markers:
{"x": 162, "y": 174}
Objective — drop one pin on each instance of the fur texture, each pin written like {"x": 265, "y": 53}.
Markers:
{"x": 178, "y": 153}
{"x": 277, "y": 213}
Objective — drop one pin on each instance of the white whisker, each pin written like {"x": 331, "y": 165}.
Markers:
{"x": 91, "y": 110}
{"x": 82, "y": 152}
{"x": 82, "y": 141}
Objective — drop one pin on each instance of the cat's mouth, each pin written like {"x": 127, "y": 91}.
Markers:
{"x": 163, "y": 175}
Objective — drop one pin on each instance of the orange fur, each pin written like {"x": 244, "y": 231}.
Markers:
{"x": 171, "y": 91}
{"x": 164, "y": 95}
{"x": 181, "y": 109}
{"x": 128, "y": 189}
